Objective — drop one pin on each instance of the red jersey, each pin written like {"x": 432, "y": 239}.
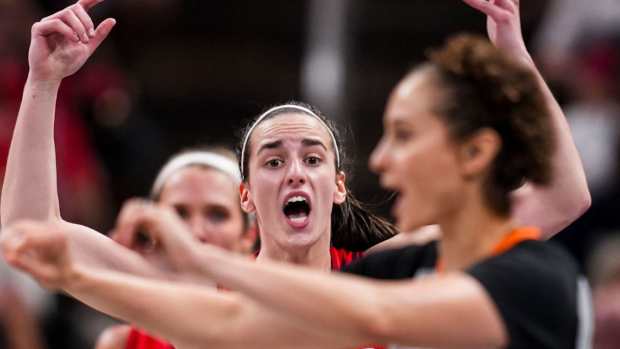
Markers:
{"x": 141, "y": 340}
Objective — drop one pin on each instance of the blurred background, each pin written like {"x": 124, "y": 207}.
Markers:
{"x": 174, "y": 74}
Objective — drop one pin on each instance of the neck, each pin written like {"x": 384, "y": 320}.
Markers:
{"x": 470, "y": 234}
{"x": 315, "y": 255}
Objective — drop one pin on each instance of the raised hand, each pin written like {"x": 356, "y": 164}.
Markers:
{"x": 157, "y": 233}
{"x": 503, "y": 25}
{"x": 39, "y": 249}
{"x": 61, "y": 43}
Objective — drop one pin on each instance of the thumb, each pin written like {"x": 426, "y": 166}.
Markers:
{"x": 101, "y": 33}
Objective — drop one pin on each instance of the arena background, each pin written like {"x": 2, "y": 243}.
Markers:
{"x": 176, "y": 74}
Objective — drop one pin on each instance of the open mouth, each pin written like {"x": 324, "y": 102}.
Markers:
{"x": 297, "y": 209}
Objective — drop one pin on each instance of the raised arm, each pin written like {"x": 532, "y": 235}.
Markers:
{"x": 60, "y": 45}
{"x": 554, "y": 207}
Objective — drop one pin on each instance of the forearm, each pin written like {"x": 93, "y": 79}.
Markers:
{"x": 194, "y": 317}
{"x": 336, "y": 305}
{"x": 362, "y": 311}
{"x": 567, "y": 197}
{"x": 162, "y": 308}
{"x": 92, "y": 249}
{"x": 30, "y": 190}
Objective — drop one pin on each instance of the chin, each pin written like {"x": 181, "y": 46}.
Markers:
{"x": 409, "y": 223}
{"x": 302, "y": 239}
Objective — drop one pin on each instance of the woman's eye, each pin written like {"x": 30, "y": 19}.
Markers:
{"x": 313, "y": 160}
{"x": 274, "y": 163}
{"x": 182, "y": 212}
{"x": 402, "y": 135}
{"x": 217, "y": 215}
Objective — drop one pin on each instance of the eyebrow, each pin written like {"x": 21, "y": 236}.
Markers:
{"x": 312, "y": 142}
{"x": 270, "y": 145}
{"x": 306, "y": 142}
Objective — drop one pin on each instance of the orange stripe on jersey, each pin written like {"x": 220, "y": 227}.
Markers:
{"x": 509, "y": 241}
{"x": 515, "y": 237}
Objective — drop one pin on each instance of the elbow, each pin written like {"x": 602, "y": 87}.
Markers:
{"x": 568, "y": 213}
{"x": 585, "y": 202}
{"x": 582, "y": 199}
{"x": 576, "y": 207}
{"x": 9, "y": 216}
{"x": 378, "y": 328}
{"x": 377, "y": 325}
{"x": 230, "y": 331}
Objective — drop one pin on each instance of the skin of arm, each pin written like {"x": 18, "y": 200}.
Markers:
{"x": 554, "y": 207}
{"x": 30, "y": 180}
{"x": 196, "y": 317}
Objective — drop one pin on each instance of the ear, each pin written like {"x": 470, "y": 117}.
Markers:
{"x": 340, "y": 195}
{"x": 245, "y": 197}
{"x": 478, "y": 153}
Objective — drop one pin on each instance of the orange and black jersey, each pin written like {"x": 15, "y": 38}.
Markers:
{"x": 535, "y": 285}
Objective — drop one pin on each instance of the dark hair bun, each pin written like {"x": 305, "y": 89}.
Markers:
{"x": 488, "y": 89}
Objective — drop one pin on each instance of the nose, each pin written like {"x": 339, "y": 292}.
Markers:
{"x": 296, "y": 175}
{"x": 198, "y": 226}
{"x": 377, "y": 159}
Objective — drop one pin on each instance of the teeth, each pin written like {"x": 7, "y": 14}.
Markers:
{"x": 296, "y": 199}
{"x": 299, "y": 219}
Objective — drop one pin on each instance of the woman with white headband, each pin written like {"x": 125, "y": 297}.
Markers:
{"x": 308, "y": 220}
{"x": 202, "y": 187}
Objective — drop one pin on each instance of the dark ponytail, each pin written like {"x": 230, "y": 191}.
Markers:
{"x": 353, "y": 226}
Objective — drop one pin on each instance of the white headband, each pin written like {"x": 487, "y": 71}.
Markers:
{"x": 197, "y": 158}
{"x": 280, "y": 107}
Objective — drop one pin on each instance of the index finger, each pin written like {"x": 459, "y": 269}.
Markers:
{"x": 489, "y": 8}
{"x": 88, "y": 4}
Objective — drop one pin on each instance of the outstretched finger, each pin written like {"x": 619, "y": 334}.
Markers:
{"x": 511, "y": 6}
{"x": 84, "y": 18}
{"x": 54, "y": 26}
{"x": 88, "y": 4}
{"x": 101, "y": 33}
{"x": 495, "y": 12}
{"x": 72, "y": 20}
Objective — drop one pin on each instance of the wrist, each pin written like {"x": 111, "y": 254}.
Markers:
{"x": 524, "y": 57}
{"x": 40, "y": 83}
{"x": 72, "y": 280}
{"x": 202, "y": 259}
